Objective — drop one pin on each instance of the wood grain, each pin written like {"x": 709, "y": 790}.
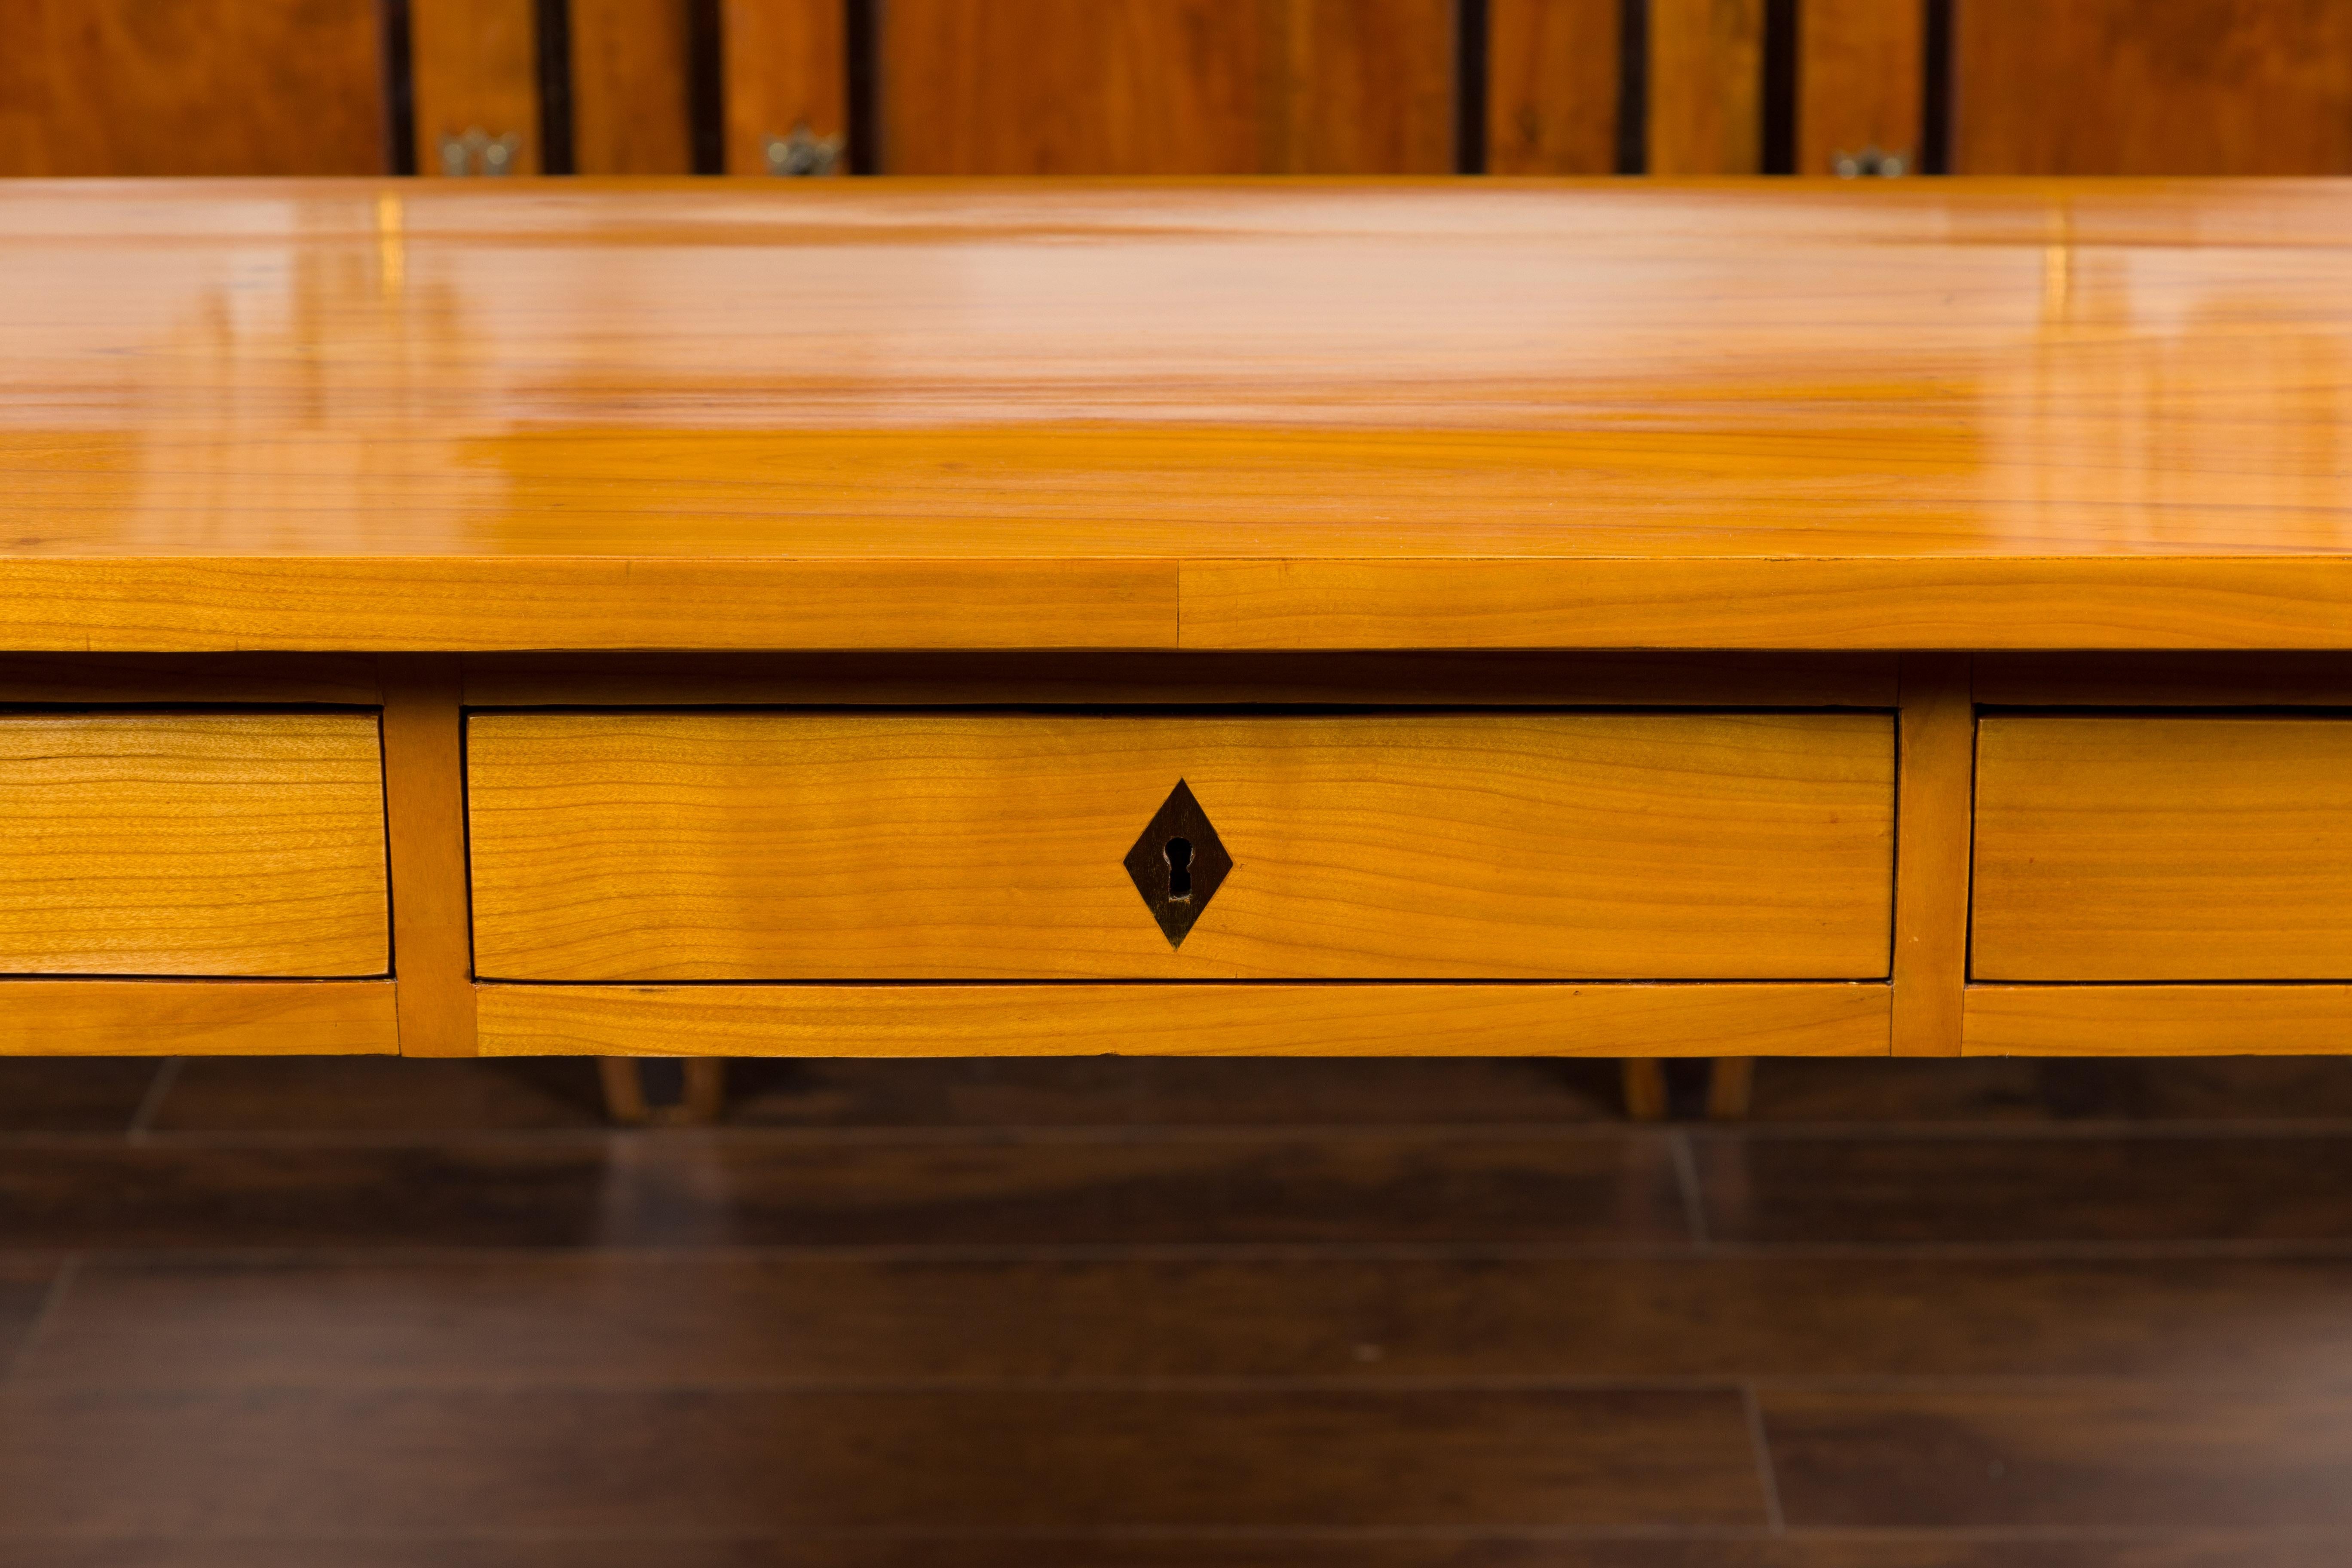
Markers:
{"x": 474, "y": 65}
{"x": 2163, "y": 848}
{"x": 1935, "y": 779}
{"x": 1212, "y": 1020}
{"x": 213, "y": 844}
{"x": 2158, "y": 1020}
{"x": 857, "y": 414}
{"x": 1551, "y": 87}
{"x": 1166, "y": 87}
{"x": 424, "y": 811}
{"x": 2119, "y": 87}
{"x": 1706, "y": 87}
{"x": 735, "y": 845}
{"x": 784, "y": 63}
{"x": 1861, "y": 73}
{"x": 629, "y": 88}
{"x": 190, "y": 87}
{"x": 196, "y": 1018}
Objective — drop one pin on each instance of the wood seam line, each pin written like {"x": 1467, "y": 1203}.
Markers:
{"x": 1935, "y": 780}
{"x": 425, "y": 830}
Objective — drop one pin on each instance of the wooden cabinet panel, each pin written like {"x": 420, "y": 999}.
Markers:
{"x": 1706, "y": 87}
{"x": 2163, "y": 848}
{"x": 630, "y": 114}
{"x": 714, "y": 845}
{"x": 1551, "y": 87}
{"x": 1166, "y": 87}
{"x": 786, "y": 65}
{"x": 191, "y": 86}
{"x": 1861, "y": 78}
{"x": 476, "y": 67}
{"x": 223, "y": 844}
{"x": 2125, "y": 87}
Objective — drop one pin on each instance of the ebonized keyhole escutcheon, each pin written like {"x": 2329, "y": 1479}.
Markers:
{"x": 1178, "y": 864}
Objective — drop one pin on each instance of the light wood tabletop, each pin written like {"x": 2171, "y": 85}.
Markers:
{"x": 391, "y": 416}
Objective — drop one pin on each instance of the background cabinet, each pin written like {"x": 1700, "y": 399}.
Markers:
{"x": 1175, "y": 87}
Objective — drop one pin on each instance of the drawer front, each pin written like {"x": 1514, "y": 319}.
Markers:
{"x": 2163, "y": 848}
{"x": 222, "y": 844}
{"x": 810, "y": 845}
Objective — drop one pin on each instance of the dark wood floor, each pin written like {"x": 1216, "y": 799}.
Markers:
{"x": 1137, "y": 1314}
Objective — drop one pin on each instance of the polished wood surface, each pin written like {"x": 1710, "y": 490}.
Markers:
{"x": 1551, "y": 86}
{"x": 424, "y": 822}
{"x": 783, "y": 64}
{"x": 196, "y": 1018}
{"x": 1268, "y": 1020}
{"x": 191, "y": 86}
{"x": 630, "y": 114}
{"x": 1861, "y": 77}
{"x": 2163, "y": 848}
{"x": 466, "y": 416}
{"x": 473, "y": 66}
{"x": 1706, "y": 87}
{"x": 195, "y": 844}
{"x": 2158, "y": 1020}
{"x": 730, "y": 846}
{"x": 1166, "y": 87}
{"x": 2124, "y": 87}
{"x": 1937, "y": 734}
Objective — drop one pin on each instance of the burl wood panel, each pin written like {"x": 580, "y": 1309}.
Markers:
{"x": 630, "y": 112}
{"x": 1275, "y": 1020}
{"x": 785, "y": 64}
{"x": 1166, "y": 87}
{"x": 191, "y": 86}
{"x": 1706, "y": 87}
{"x": 1551, "y": 86}
{"x": 2124, "y": 87}
{"x": 2163, "y": 848}
{"x": 475, "y": 65}
{"x": 1861, "y": 76}
{"x": 227, "y": 843}
{"x": 730, "y": 846}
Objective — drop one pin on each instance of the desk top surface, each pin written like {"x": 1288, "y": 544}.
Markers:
{"x": 1919, "y": 384}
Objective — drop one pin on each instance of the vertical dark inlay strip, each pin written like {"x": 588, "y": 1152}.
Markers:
{"x": 1781, "y": 21}
{"x": 862, "y": 30}
{"x": 399, "y": 91}
{"x": 1634, "y": 86}
{"x": 1936, "y": 92}
{"x": 706, "y": 86}
{"x": 1469, "y": 87}
{"x": 554, "y": 28}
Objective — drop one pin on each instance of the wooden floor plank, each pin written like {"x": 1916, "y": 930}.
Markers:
{"x": 2112, "y": 1456}
{"x": 717, "y": 1464}
{"x": 719, "y": 1319}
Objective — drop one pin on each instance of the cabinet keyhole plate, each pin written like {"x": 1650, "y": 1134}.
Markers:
{"x": 1178, "y": 864}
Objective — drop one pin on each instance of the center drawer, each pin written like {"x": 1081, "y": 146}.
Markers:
{"x": 806, "y": 845}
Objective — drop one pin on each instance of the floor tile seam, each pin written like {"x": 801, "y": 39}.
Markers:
{"x": 1725, "y": 1386}
{"x": 116, "y": 1254}
{"x": 1499, "y": 1533}
{"x": 983, "y": 1135}
{"x": 1762, "y": 1387}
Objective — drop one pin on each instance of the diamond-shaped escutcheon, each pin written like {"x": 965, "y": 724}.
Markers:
{"x": 1178, "y": 864}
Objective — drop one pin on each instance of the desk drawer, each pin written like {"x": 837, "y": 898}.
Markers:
{"x": 2163, "y": 848}
{"x": 192, "y": 843}
{"x": 804, "y": 844}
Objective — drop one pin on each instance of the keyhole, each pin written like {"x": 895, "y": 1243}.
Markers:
{"x": 1179, "y": 868}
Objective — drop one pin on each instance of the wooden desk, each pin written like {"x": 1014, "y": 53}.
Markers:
{"x": 1725, "y": 619}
